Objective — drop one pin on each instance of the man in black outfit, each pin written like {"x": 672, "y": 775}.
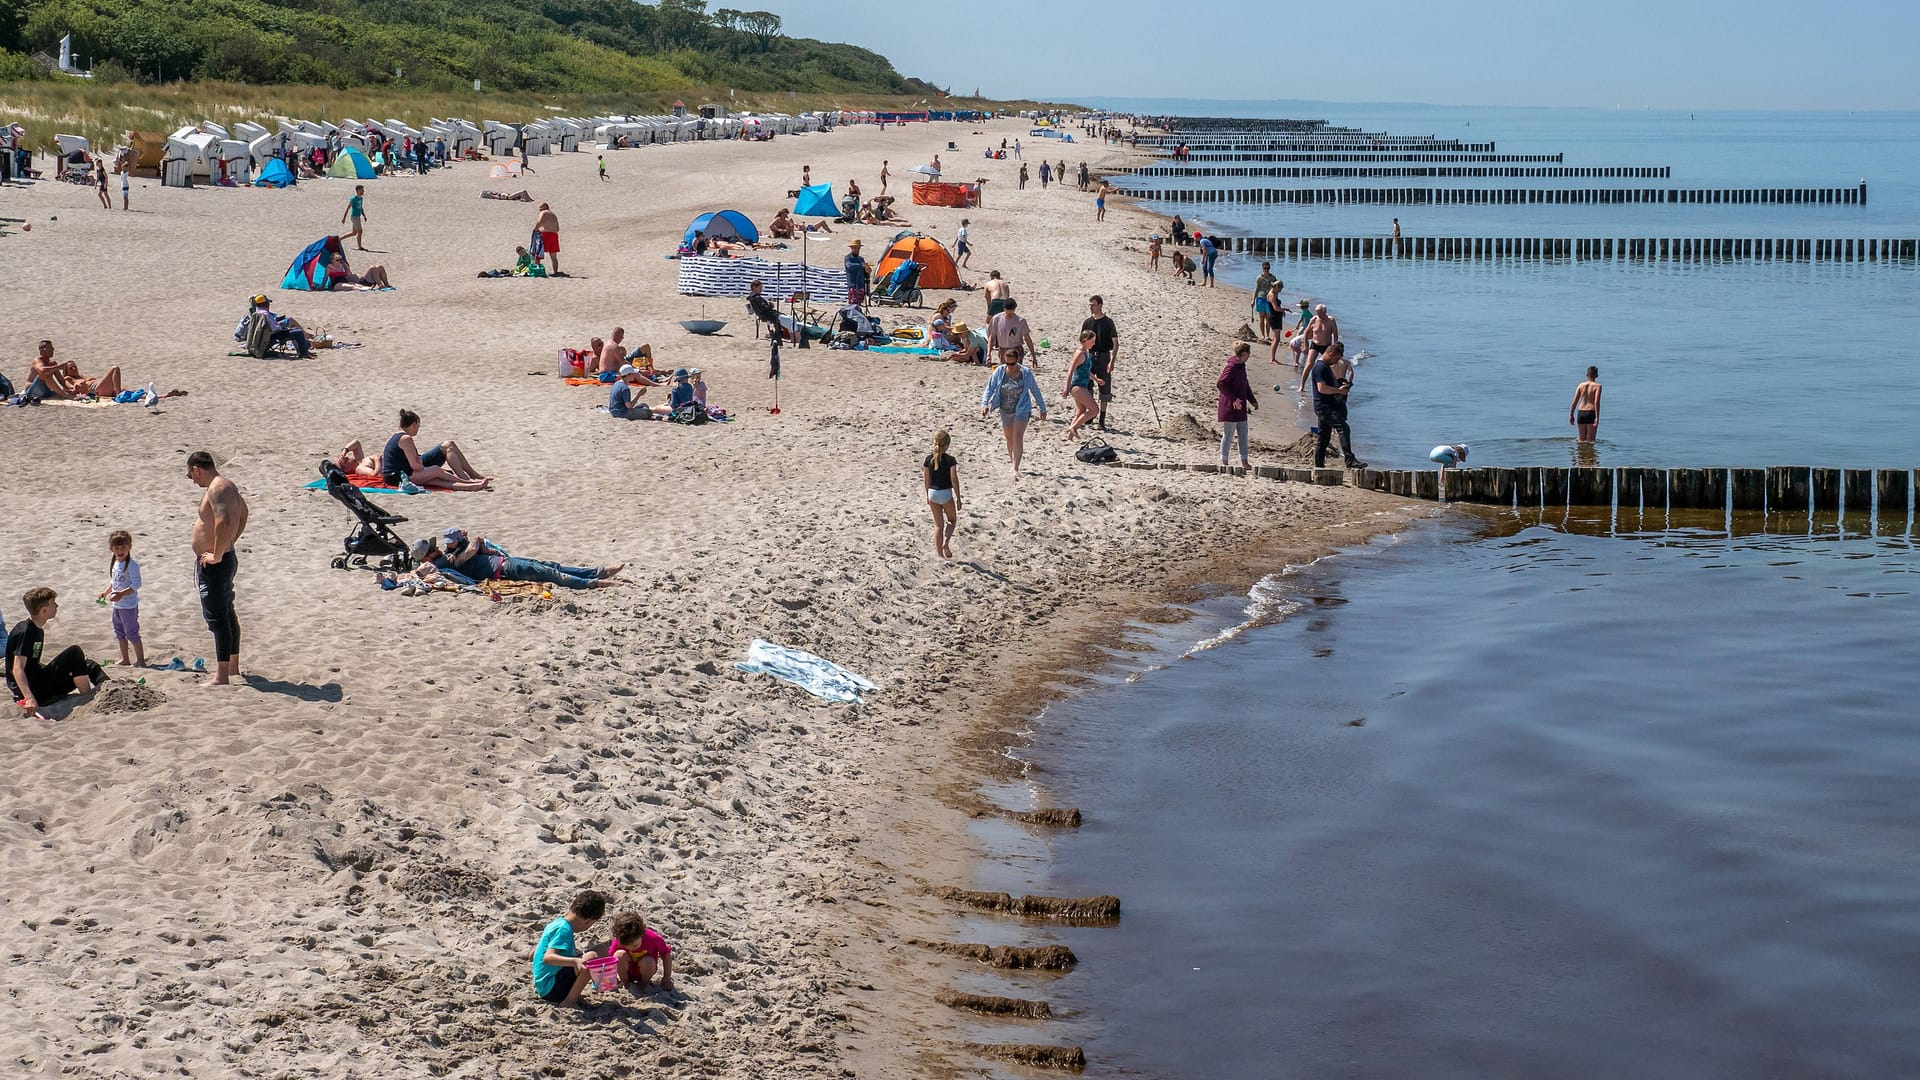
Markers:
{"x": 1330, "y": 389}
{"x": 1106, "y": 348}
{"x": 31, "y": 682}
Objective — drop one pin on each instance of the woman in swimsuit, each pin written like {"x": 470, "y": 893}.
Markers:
{"x": 1584, "y": 413}
{"x": 1079, "y": 388}
{"x": 341, "y": 276}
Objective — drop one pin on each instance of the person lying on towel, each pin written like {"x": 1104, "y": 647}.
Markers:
{"x": 469, "y": 560}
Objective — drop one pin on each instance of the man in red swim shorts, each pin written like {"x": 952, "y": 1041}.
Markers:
{"x": 548, "y": 226}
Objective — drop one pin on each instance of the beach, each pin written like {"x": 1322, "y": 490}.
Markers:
{"x": 340, "y": 867}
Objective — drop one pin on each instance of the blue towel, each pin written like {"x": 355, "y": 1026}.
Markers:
{"x": 321, "y": 485}
{"x": 821, "y": 678}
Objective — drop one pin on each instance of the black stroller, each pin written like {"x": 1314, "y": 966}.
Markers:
{"x": 374, "y": 545}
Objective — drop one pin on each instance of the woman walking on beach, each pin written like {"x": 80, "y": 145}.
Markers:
{"x": 940, "y": 475}
{"x": 1236, "y": 401}
{"x": 1584, "y": 413}
{"x": 1079, "y": 387}
{"x": 1013, "y": 393}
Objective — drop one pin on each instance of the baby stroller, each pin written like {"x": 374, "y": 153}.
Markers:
{"x": 901, "y": 287}
{"x": 374, "y": 545}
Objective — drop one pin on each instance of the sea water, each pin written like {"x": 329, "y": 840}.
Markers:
{"x": 1509, "y": 796}
{"x": 1506, "y": 802}
{"x": 1704, "y": 364}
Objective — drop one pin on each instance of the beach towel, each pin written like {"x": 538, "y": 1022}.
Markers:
{"x": 821, "y": 678}
{"x": 373, "y": 484}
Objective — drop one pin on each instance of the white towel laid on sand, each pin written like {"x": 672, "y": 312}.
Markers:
{"x": 821, "y": 678}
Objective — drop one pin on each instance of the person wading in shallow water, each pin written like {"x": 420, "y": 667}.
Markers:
{"x": 1584, "y": 413}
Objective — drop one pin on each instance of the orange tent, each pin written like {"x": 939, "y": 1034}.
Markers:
{"x": 936, "y": 266}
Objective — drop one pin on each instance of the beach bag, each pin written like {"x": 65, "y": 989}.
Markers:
{"x": 6, "y": 388}
{"x": 1096, "y": 452}
{"x": 691, "y": 413}
{"x": 259, "y": 335}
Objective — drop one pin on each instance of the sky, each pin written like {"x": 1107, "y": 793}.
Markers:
{"x": 1680, "y": 54}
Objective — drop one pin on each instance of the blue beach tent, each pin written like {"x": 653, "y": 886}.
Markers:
{"x": 816, "y": 201}
{"x": 274, "y": 174}
{"x": 309, "y": 270}
{"x": 351, "y": 164}
{"x": 724, "y": 225}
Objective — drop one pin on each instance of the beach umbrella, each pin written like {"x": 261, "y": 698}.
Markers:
{"x": 925, "y": 170}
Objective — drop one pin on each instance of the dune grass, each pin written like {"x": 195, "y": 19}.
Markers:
{"x": 105, "y": 112}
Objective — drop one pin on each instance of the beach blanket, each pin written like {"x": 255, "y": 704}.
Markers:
{"x": 93, "y": 403}
{"x": 372, "y": 484}
{"x": 821, "y": 678}
{"x": 905, "y": 350}
{"x": 701, "y": 276}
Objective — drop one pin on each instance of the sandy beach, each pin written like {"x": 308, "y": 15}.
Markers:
{"x": 340, "y": 867}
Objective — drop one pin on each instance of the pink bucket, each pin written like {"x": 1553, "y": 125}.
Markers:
{"x": 605, "y": 972}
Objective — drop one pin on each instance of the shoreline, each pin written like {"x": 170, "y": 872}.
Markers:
{"x": 367, "y": 837}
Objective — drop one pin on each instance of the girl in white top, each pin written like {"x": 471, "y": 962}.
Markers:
{"x": 123, "y": 594}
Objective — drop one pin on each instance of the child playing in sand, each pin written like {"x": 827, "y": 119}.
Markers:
{"x": 642, "y": 951}
{"x": 1153, "y": 254}
{"x": 559, "y": 968}
{"x": 123, "y": 593}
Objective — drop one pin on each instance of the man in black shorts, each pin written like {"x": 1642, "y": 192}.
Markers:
{"x": 1106, "y": 349}
{"x": 216, "y": 529}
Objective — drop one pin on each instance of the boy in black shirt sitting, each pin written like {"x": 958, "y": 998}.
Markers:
{"x": 32, "y": 683}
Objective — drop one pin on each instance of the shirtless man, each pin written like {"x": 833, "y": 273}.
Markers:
{"x": 998, "y": 292}
{"x": 216, "y": 529}
{"x": 1321, "y": 332}
{"x": 355, "y": 461}
{"x": 613, "y": 355}
{"x": 1008, "y": 332}
{"x": 1584, "y": 413}
{"x": 547, "y": 224}
{"x": 63, "y": 379}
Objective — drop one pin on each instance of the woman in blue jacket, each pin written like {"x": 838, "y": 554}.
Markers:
{"x": 1013, "y": 393}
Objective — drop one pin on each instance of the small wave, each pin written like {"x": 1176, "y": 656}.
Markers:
{"x": 1272, "y": 599}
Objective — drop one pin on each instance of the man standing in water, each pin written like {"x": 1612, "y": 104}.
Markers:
{"x": 1331, "y": 385}
{"x": 1584, "y": 413}
{"x": 1322, "y": 333}
{"x": 216, "y": 529}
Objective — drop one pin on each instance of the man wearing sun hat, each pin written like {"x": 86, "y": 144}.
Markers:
{"x": 282, "y": 328}
{"x": 623, "y": 402}
{"x": 859, "y": 275}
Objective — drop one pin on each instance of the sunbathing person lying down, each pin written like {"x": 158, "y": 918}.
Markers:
{"x": 342, "y": 279}
{"x": 63, "y": 380}
{"x": 468, "y": 560}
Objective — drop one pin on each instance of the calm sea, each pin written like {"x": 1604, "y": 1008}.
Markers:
{"x": 1703, "y": 364}
{"x": 1525, "y": 797}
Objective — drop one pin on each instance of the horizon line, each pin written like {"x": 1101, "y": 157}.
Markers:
{"x": 1617, "y": 107}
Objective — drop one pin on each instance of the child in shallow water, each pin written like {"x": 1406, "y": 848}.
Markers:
{"x": 642, "y": 951}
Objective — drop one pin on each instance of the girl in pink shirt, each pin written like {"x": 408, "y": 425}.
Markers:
{"x": 642, "y": 951}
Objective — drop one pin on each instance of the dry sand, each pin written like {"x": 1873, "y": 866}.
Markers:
{"x": 339, "y": 868}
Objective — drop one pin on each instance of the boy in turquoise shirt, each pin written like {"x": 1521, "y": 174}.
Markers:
{"x": 559, "y": 969}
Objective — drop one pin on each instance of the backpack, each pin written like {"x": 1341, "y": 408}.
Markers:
{"x": 259, "y": 335}
{"x": 1096, "y": 452}
{"x": 691, "y": 413}
{"x": 6, "y": 388}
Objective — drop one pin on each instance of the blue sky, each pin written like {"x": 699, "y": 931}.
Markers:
{"x": 1681, "y": 54}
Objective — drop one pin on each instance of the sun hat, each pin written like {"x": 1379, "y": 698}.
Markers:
{"x": 853, "y": 243}
{"x": 628, "y": 369}
{"x": 679, "y": 373}
{"x": 453, "y": 535}
{"x": 420, "y": 549}
{"x": 693, "y": 371}
{"x": 261, "y": 298}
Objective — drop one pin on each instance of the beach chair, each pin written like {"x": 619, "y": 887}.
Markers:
{"x": 76, "y": 159}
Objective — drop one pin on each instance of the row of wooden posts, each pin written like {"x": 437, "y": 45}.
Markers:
{"x": 1582, "y": 249}
{"x": 1775, "y": 489}
{"x": 1516, "y": 172}
{"x": 1355, "y": 155}
{"x": 1322, "y": 142}
{"x": 1424, "y": 196}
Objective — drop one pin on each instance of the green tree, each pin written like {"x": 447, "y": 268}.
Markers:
{"x": 763, "y": 25}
